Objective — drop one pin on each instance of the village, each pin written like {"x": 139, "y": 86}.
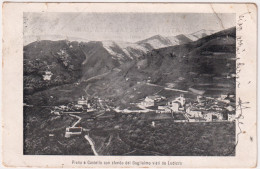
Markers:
{"x": 202, "y": 109}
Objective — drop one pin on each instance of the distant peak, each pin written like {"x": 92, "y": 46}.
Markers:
{"x": 157, "y": 36}
{"x": 160, "y": 37}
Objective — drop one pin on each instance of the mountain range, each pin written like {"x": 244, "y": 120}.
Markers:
{"x": 145, "y": 45}
{"x": 120, "y": 70}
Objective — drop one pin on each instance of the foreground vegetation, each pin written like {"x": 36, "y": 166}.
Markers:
{"x": 126, "y": 134}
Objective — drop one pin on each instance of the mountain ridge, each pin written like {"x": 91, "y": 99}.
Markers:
{"x": 183, "y": 66}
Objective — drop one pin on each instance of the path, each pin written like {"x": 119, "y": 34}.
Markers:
{"x": 79, "y": 119}
{"x": 91, "y": 144}
{"x": 86, "y": 136}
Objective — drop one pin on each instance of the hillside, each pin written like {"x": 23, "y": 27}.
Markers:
{"x": 210, "y": 60}
{"x": 73, "y": 61}
{"x": 125, "y": 50}
{"x": 205, "y": 64}
{"x": 159, "y": 41}
{"x": 62, "y": 58}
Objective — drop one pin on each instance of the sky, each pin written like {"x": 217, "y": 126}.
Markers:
{"x": 130, "y": 27}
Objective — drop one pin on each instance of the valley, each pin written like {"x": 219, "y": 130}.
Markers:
{"x": 107, "y": 86}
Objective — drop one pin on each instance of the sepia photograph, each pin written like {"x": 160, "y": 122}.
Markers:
{"x": 129, "y": 84}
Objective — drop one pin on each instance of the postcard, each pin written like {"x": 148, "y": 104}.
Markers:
{"x": 144, "y": 85}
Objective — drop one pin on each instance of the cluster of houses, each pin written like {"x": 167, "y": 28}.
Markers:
{"x": 161, "y": 105}
{"x": 210, "y": 109}
{"x": 204, "y": 109}
{"x": 47, "y": 75}
{"x": 83, "y": 104}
